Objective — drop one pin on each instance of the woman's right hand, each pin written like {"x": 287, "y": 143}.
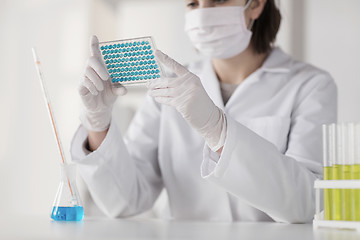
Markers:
{"x": 96, "y": 92}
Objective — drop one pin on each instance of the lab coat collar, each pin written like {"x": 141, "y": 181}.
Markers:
{"x": 276, "y": 62}
{"x": 211, "y": 84}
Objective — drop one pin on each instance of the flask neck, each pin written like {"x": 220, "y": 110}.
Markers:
{"x": 68, "y": 172}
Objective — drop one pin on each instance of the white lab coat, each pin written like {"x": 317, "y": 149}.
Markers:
{"x": 270, "y": 159}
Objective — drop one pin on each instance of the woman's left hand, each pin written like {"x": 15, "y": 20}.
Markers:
{"x": 186, "y": 93}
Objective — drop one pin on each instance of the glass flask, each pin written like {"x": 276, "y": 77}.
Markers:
{"x": 67, "y": 204}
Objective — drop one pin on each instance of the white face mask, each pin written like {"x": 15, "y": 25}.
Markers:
{"x": 218, "y": 32}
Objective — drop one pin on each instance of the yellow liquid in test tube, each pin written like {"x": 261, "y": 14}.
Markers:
{"x": 328, "y": 195}
{"x": 355, "y": 170}
{"x": 345, "y": 171}
{"x": 336, "y": 194}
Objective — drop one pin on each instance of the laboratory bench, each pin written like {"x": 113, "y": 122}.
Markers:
{"x": 42, "y": 227}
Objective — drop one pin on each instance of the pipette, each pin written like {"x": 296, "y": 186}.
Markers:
{"x": 49, "y": 107}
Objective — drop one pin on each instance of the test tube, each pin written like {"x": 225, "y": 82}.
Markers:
{"x": 346, "y": 170}
{"x": 336, "y": 193}
{"x": 356, "y": 172}
{"x": 351, "y": 162}
{"x": 327, "y": 171}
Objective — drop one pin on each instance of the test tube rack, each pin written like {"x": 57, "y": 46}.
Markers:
{"x": 319, "y": 221}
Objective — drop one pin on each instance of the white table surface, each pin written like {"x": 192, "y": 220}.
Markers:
{"x": 42, "y": 227}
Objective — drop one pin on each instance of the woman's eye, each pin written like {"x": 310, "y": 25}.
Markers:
{"x": 192, "y": 4}
{"x": 220, "y": 1}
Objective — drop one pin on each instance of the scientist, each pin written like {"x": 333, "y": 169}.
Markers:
{"x": 236, "y": 137}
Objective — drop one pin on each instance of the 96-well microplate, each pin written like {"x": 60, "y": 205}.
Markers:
{"x": 130, "y": 61}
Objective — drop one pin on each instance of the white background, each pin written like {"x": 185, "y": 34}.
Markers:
{"x": 321, "y": 32}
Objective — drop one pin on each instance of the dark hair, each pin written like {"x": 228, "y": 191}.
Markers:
{"x": 265, "y": 28}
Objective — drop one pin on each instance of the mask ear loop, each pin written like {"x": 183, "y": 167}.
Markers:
{"x": 251, "y": 23}
{"x": 247, "y": 5}
{"x": 251, "y": 20}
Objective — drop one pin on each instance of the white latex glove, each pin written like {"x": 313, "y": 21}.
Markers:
{"x": 186, "y": 93}
{"x": 96, "y": 92}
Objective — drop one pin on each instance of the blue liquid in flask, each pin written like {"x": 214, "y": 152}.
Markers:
{"x": 75, "y": 213}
